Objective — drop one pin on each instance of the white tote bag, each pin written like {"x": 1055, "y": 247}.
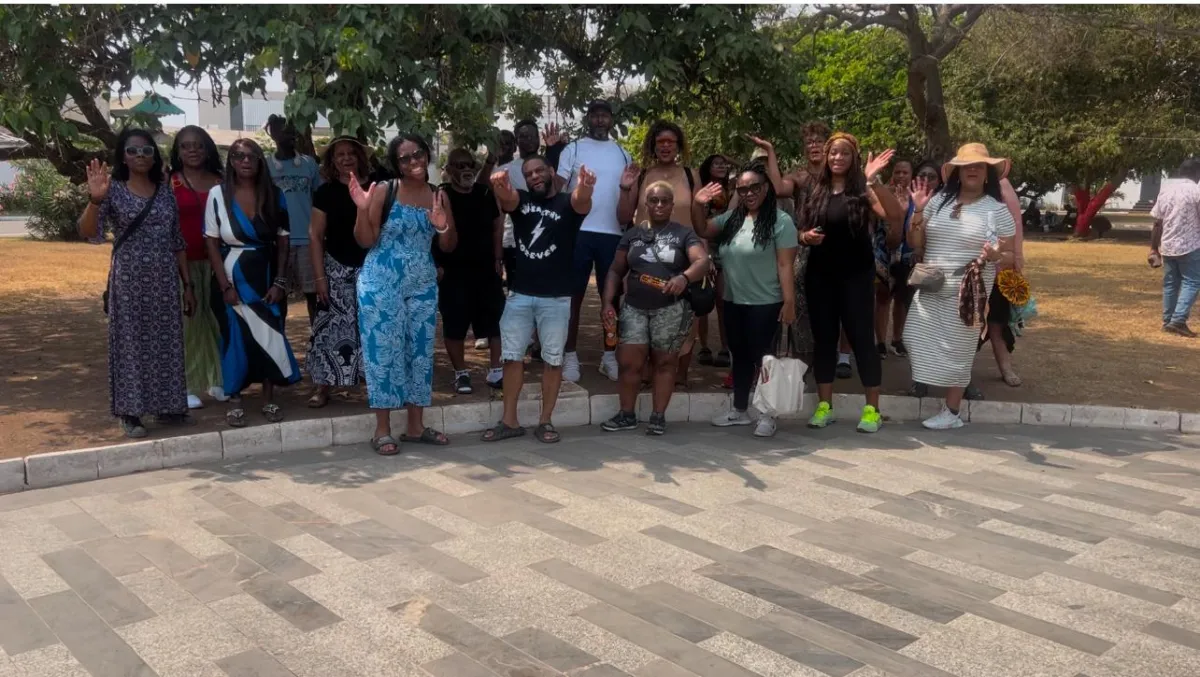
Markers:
{"x": 780, "y": 389}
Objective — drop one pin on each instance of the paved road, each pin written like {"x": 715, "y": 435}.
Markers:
{"x": 989, "y": 552}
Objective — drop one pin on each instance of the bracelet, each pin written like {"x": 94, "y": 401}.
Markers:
{"x": 441, "y": 231}
{"x": 91, "y": 201}
{"x": 318, "y": 279}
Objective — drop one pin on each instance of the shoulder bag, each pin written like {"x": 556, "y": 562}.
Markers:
{"x": 125, "y": 235}
{"x": 701, "y": 295}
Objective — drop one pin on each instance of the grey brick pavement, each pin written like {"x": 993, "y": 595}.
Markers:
{"x": 995, "y": 551}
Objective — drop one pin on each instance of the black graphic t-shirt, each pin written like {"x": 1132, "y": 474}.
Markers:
{"x": 660, "y": 253}
{"x": 545, "y": 231}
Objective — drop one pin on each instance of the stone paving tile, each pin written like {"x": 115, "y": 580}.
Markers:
{"x": 1038, "y": 552}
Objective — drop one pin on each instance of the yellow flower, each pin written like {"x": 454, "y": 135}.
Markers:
{"x": 1013, "y": 286}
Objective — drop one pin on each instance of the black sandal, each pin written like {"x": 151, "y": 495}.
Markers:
{"x": 500, "y": 431}
{"x": 382, "y": 441}
{"x": 428, "y": 436}
{"x": 272, "y": 413}
{"x": 236, "y": 417}
{"x": 546, "y": 434}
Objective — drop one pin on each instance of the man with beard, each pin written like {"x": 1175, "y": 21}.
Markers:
{"x": 298, "y": 176}
{"x": 601, "y": 233}
{"x": 526, "y": 133}
{"x": 546, "y": 222}
{"x": 470, "y": 294}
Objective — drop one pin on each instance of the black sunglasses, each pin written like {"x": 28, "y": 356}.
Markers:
{"x": 659, "y": 200}
{"x": 415, "y": 156}
{"x": 144, "y": 151}
{"x": 240, "y": 156}
{"x": 752, "y": 188}
{"x": 463, "y": 165}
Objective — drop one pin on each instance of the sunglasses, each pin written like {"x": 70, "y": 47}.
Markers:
{"x": 655, "y": 201}
{"x": 928, "y": 176}
{"x": 240, "y": 156}
{"x": 144, "y": 151}
{"x": 751, "y": 189}
{"x": 415, "y": 156}
{"x": 460, "y": 166}
{"x": 191, "y": 145}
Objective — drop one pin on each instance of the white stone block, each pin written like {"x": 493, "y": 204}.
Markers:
{"x": 433, "y": 417}
{"x": 202, "y": 448}
{"x": 930, "y": 406}
{"x": 897, "y": 408}
{"x": 256, "y": 440}
{"x": 312, "y": 433}
{"x": 126, "y": 459}
{"x": 1149, "y": 419}
{"x": 467, "y": 418}
{"x": 704, "y": 407}
{"x": 1046, "y": 414}
{"x": 985, "y": 411}
{"x": 529, "y": 412}
{"x": 677, "y": 408}
{"x": 355, "y": 429}
{"x": 1089, "y": 416}
{"x": 61, "y": 467}
{"x": 848, "y": 406}
{"x": 603, "y": 407}
{"x": 12, "y": 475}
{"x": 572, "y": 411}
{"x": 1189, "y": 423}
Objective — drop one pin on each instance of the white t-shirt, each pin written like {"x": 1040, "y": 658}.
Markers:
{"x": 607, "y": 160}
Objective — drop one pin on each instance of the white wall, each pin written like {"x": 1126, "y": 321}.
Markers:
{"x": 7, "y": 173}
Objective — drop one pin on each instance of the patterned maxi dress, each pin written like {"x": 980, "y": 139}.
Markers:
{"x": 334, "y": 355}
{"x": 254, "y": 348}
{"x": 145, "y": 313}
{"x": 397, "y": 311}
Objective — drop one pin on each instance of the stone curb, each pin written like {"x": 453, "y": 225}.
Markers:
{"x": 575, "y": 408}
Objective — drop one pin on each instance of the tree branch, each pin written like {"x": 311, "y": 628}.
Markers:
{"x": 958, "y": 33}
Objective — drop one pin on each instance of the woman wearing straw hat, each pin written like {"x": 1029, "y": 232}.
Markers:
{"x": 334, "y": 357}
{"x": 965, "y": 231}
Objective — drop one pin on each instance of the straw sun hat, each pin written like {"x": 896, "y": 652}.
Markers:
{"x": 972, "y": 154}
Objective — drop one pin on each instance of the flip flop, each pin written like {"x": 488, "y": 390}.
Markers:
{"x": 546, "y": 434}
{"x": 236, "y": 417}
{"x": 272, "y": 413}
{"x": 500, "y": 432}
{"x": 318, "y": 400}
{"x": 428, "y": 436}
{"x": 382, "y": 441}
{"x": 1012, "y": 379}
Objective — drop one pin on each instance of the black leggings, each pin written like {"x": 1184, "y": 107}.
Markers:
{"x": 836, "y": 301}
{"x": 751, "y": 331}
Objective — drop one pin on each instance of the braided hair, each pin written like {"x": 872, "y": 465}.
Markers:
{"x": 764, "y": 222}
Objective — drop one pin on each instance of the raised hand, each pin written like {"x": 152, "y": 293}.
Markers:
{"x": 587, "y": 177}
{"x": 630, "y": 176}
{"x": 99, "y": 178}
{"x": 551, "y": 135}
{"x": 761, "y": 143}
{"x": 501, "y": 182}
{"x": 441, "y": 207}
{"x": 921, "y": 191}
{"x": 361, "y": 198}
{"x": 875, "y": 165}
{"x": 706, "y": 194}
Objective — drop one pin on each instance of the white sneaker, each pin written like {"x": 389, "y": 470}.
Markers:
{"x": 608, "y": 366}
{"x": 495, "y": 377}
{"x": 218, "y": 394}
{"x": 731, "y": 418}
{"x": 944, "y": 420}
{"x": 766, "y": 427}
{"x": 571, "y": 367}
{"x": 194, "y": 402}
{"x": 481, "y": 344}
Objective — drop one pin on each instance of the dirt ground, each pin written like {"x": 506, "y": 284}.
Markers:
{"x": 1096, "y": 341}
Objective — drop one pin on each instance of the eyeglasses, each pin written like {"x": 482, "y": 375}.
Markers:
{"x": 144, "y": 151}
{"x": 656, "y": 201}
{"x": 415, "y": 156}
{"x": 462, "y": 166}
{"x": 928, "y": 176}
{"x": 191, "y": 145}
{"x": 239, "y": 156}
{"x": 751, "y": 189}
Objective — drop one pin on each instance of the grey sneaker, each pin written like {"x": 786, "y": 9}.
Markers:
{"x": 462, "y": 383}
{"x": 624, "y": 420}
{"x": 657, "y": 424}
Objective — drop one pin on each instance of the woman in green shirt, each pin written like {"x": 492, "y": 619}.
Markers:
{"x": 757, "y": 245}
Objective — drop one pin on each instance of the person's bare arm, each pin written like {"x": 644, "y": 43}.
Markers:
{"x": 1014, "y": 208}
{"x": 498, "y": 242}
{"x": 612, "y": 282}
{"x": 506, "y": 195}
{"x": 442, "y": 217}
{"x": 370, "y": 212}
{"x": 785, "y": 186}
{"x": 1156, "y": 236}
{"x": 581, "y": 197}
{"x": 785, "y": 261}
{"x": 316, "y": 249}
{"x": 705, "y": 227}
{"x": 882, "y": 207}
{"x": 698, "y": 268}
{"x": 628, "y": 203}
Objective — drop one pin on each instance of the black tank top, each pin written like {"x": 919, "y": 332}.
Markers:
{"x": 844, "y": 252}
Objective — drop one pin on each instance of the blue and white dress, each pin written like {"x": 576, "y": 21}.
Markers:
{"x": 254, "y": 348}
{"x": 397, "y": 311}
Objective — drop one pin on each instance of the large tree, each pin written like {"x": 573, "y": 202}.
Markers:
{"x": 1088, "y": 108}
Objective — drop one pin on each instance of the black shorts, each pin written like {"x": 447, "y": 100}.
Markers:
{"x": 473, "y": 302}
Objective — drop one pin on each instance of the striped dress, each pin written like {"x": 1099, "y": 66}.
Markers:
{"x": 941, "y": 348}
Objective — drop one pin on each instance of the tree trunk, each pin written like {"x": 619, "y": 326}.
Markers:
{"x": 1089, "y": 205}
{"x": 928, "y": 104}
{"x": 491, "y": 82}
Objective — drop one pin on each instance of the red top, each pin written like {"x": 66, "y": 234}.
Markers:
{"x": 191, "y": 217}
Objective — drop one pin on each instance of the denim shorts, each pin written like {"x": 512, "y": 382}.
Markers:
{"x": 663, "y": 329}
{"x": 551, "y": 316}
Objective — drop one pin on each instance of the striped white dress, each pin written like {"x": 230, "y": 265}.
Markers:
{"x": 941, "y": 348}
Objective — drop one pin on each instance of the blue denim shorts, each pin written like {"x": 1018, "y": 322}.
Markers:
{"x": 522, "y": 314}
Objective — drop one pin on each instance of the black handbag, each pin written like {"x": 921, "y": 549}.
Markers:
{"x": 133, "y": 226}
{"x": 702, "y": 294}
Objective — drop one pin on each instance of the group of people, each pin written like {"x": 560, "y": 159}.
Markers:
{"x": 205, "y": 255}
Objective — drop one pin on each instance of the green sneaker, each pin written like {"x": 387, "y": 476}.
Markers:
{"x": 822, "y": 417}
{"x": 870, "y": 421}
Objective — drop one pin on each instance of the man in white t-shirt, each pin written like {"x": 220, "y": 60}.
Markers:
{"x": 597, "y": 243}
{"x": 1175, "y": 241}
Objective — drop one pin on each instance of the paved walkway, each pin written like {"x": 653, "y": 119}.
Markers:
{"x": 989, "y": 552}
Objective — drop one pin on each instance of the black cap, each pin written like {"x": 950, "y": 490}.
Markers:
{"x": 599, "y": 104}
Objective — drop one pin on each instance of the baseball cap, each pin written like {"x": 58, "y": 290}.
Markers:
{"x": 599, "y": 104}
